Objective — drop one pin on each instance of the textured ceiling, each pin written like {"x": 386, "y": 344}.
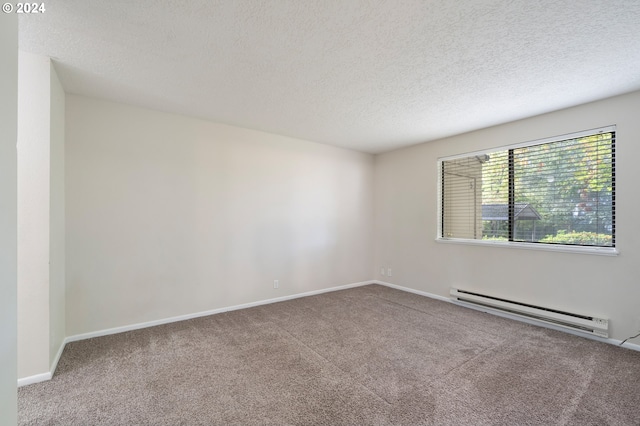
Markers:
{"x": 368, "y": 75}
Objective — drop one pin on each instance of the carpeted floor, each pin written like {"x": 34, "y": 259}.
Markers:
{"x": 369, "y": 355}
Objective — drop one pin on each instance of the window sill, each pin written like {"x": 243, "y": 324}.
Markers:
{"x": 601, "y": 251}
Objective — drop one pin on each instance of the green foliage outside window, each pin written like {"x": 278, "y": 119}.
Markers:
{"x": 569, "y": 183}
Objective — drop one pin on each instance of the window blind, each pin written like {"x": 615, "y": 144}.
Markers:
{"x": 559, "y": 191}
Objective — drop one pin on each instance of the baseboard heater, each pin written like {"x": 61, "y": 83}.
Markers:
{"x": 576, "y": 322}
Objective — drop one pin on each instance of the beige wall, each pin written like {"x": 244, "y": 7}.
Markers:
{"x": 169, "y": 215}
{"x": 406, "y": 183}
{"x": 40, "y": 215}
{"x": 8, "y": 214}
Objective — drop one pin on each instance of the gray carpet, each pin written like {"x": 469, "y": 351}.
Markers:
{"x": 369, "y": 355}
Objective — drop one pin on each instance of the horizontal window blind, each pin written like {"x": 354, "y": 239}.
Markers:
{"x": 554, "y": 192}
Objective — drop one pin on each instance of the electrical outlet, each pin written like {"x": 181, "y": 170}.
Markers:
{"x": 389, "y": 272}
{"x": 382, "y": 271}
{"x": 276, "y": 284}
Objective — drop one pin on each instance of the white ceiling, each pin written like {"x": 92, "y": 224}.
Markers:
{"x": 371, "y": 75}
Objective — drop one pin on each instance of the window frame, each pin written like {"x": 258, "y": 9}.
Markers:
{"x": 597, "y": 250}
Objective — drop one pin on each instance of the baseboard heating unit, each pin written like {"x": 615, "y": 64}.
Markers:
{"x": 583, "y": 323}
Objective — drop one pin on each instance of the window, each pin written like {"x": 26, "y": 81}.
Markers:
{"x": 557, "y": 191}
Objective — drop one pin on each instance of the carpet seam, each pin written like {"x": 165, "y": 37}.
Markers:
{"x": 575, "y": 401}
{"x": 457, "y": 367}
{"x": 334, "y": 365}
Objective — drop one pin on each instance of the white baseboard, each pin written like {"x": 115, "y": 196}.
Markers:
{"x": 42, "y": 377}
{"x": 37, "y": 378}
{"x": 627, "y": 345}
{"x": 54, "y": 364}
{"x": 615, "y": 342}
{"x": 147, "y": 324}
{"x": 410, "y": 290}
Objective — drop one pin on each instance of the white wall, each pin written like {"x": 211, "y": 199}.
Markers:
{"x": 41, "y": 263}
{"x": 169, "y": 215}
{"x": 8, "y": 214}
{"x": 406, "y": 183}
{"x": 57, "y": 263}
{"x": 33, "y": 215}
